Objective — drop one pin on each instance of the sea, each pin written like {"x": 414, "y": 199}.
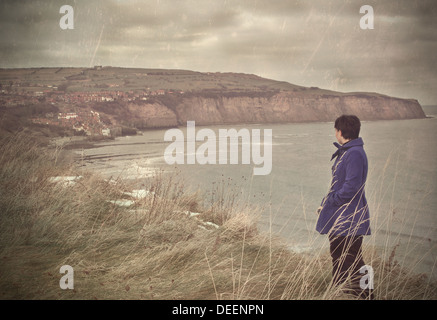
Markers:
{"x": 401, "y": 186}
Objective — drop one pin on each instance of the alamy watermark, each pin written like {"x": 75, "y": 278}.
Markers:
{"x": 67, "y": 280}
{"x": 207, "y": 152}
{"x": 366, "y": 281}
{"x": 367, "y": 21}
{"x": 67, "y": 20}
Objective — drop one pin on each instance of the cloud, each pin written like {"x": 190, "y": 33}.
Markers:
{"x": 312, "y": 43}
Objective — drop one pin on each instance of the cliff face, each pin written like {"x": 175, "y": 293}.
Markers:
{"x": 151, "y": 116}
{"x": 161, "y": 98}
{"x": 280, "y": 108}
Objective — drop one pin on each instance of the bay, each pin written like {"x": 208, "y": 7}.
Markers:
{"x": 401, "y": 187}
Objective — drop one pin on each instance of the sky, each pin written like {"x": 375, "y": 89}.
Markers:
{"x": 315, "y": 43}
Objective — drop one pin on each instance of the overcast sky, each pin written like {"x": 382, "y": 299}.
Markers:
{"x": 310, "y": 43}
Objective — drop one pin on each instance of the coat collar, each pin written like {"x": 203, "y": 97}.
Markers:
{"x": 341, "y": 148}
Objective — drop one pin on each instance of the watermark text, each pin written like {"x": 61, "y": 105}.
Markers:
{"x": 366, "y": 21}
{"x": 206, "y": 153}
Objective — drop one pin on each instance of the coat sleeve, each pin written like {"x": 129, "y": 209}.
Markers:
{"x": 353, "y": 181}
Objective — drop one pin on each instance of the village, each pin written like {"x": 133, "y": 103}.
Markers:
{"x": 50, "y": 94}
{"x": 85, "y": 122}
{"x": 81, "y": 120}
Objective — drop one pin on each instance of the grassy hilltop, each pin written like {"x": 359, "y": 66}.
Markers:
{"x": 125, "y": 79}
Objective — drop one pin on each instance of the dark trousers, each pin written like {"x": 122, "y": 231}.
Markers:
{"x": 347, "y": 259}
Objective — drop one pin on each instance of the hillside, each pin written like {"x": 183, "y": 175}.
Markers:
{"x": 152, "y": 98}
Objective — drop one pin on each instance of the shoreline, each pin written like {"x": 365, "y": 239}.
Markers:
{"x": 77, "y": 142}
{"x": 87, "y": 142}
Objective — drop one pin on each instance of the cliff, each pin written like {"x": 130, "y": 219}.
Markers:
{"x": 282, "y": 107}
{"x": 160, "y": 98}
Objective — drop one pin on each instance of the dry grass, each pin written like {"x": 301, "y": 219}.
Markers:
{"x": 157, "y": 248}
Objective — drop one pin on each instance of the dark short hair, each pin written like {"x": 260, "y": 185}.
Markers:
{"x": 349, "y": 125}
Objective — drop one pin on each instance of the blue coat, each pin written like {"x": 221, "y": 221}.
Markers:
{"x": 345, "y": 211}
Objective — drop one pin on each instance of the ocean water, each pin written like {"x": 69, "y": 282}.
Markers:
{"x": 401, "y": 187}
